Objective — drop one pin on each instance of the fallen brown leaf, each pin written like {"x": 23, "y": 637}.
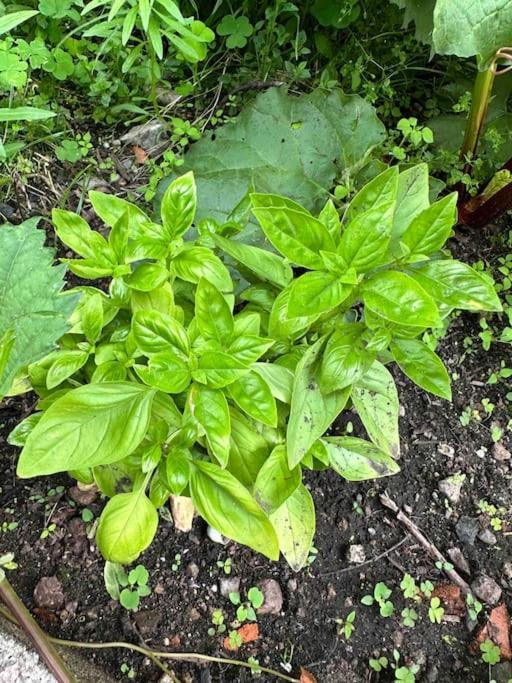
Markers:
{"x": 497, "y": 630}
{"x": 451, "y": 597}
{"x": 306, "y": 676}
{"x": 248, "y": 633}
{"x": 139, "y": 154}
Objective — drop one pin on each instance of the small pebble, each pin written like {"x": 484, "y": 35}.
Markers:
{"x": 467, "y": 529}
{"x": 356, "y": 554}
{"x": 273, "y": 597}
{"x": 486, "y": 589}
{"x": 229, "y": 584}
{"x": 487, "y": 537}
{"x": 49, "y": 593}
{"x": 500, "y": 452}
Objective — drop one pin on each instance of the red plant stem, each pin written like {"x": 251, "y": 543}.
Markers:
{"x": 46, "y": 650}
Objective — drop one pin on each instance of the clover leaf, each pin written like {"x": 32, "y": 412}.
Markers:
{"x": 238, "y": 29}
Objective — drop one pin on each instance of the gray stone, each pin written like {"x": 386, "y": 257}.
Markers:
{"x": 467, "y": 528}
{"x": 49, "y": 593}
{"x": 273, "y": 597}
{"x": 487, "y": 537}
{"x": 356, "y": 554}
{"x": 458, "y": 559}
{"x": 192, "y": 570}
{"x": 500, "y": 452}
{"x": 486, "y": 589}
{"x": 229, "y": 584}
{"x": 147, "y": 621}
{"x": 507, "y": 570}
{"x": 20, "y": 665}
{"x": 148, "y": 135}
{"x": 451, "y": 487}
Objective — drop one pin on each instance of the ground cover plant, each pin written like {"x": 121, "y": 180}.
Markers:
{"x": 254, "y": 365}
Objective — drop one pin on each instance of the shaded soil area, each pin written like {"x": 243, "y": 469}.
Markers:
{"x": 186, "y": 570}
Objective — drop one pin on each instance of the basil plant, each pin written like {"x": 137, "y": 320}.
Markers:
{"x": 190, "y": 378}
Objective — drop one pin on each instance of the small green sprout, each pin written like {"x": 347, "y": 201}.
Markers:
{"x": 409, "y": 587}
{"x": 381, "y": 593}
{"x": 474, "y": 607}
{"x": 435, "y": 611}
{"x": 378, "y": 664}
{"x": 410, "y": 617}
{"x": 218, "y": 623}
{"x": 346, "y": 626}
{"x": 235, "y": 640}
{"x": 490, "y": 652}
{"x": 426, "y": 587}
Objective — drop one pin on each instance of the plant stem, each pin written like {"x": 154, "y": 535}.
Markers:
{"x": 41, "y": 641}
{"x": 481, "y": 94}
{"x": 154, "y": 655}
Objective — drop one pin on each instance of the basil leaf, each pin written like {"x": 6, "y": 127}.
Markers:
{"x": 358, "y": 460}
{"x": 266, "y": 265}
{"x": 312, "y": 411}
{"x": 179, "y": 205}
{"x": 252, "y": 394}
{"x": 127, "y": 526}
{"x": 248, "y": 449}
{"x": 316, "y": 292}
{"x": 178, "y": 470}
{"x": 218, "y": 369}
{"x": 376, "y": 400}
{"x": 292, "y": 230}
{"x": 457, "y": 285}
{"x": 147, "y": 276}
{"x": 382, "y": 190}
{"x": 248, "y": 348}
{"x": 331, "y": 220}
{"x": 154, "y": 332}
{"x": 76, "y": 234}
{"x": 345, "y": 359}
{"x": 278, "y": 378}
{"x": 276, "y": 482}
{"x": 294, "y": 522}
{"x": 110, "y": 209}
{"x": 111, "y": 371}
{"x": 422, "y": 365}
{"x": 91, "y": 314}
{"x": 412, "y": 198}
{"x": 280, "y": 326}
{"x": 90, "y": 425}
{"x": 213, "y": 315}
{"x": 364, "y": 242}
{"x": 228, "y": 507}
{"x": 397, "y": 297}
{"x": 88, "y": 269}
{"x": 168, "y": 371}
{"x": 20, "y": 434}
{"x": 193, "y": 263}
{"x": 66, "y": 363}
{"x": 210, "y": 409}
{"x": 247, "y": 323}
{"x": 430, "y": 229}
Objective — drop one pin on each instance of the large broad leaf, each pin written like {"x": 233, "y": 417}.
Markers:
{"x": 294, "y": 523}
{"x": 229, "y": 507}
{"x": 33, "y": 312}
{"x": 276, "y": 482}
{"x": 423, "y": 366}
{"x": 312, "y": 410}
{"x": 292, "y": 146}
{"x": 358, "y": 460}
{"x": 376, "y": 400}
{"x": 95, "y": 424}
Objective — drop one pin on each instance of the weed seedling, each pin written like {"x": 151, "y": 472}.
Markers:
{"x": 226, "y": 565}
{"x": 246, "y": 611}
{"x": 346, "y": 626}
{"x": 125, "y": 588}
{"x": 426, "y": 587}
{"x": 490, "y": 652}
{"x": 219, "y": 626}
{"x": 474, "y": 607}
{"x": 379, "y": 664}
{"x": 435, "y": 611}
{"x": 235, "y": 640}
{"x": 177, "y": 562}
{"x": 255, "y": 669}
{"x": 48, "y": 531}
{"x": 380, "y": 595}
{"x": 128, "y": 671}
{"x": 410, "y": 617}
{"x": 409, "y": 587}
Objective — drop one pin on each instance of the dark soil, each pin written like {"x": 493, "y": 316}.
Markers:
{"x": 177, "y": 614}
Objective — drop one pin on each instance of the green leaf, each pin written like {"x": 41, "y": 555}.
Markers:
{"x": 294, "y": 523}
{"x": 252, "y": 394}
{"x": 20, "y": 434}
{"x": 400, "y": 299}
{"x": 266, "y": 265}
{"x": 210, "y": 409}
{"x": 178, "y": 470}
{"x": 95, "y": 424}
{"x": 278, "y": 378}
{"x": 345, "y": 359}
{"x": 422, "y": 13}
{"x": 179, "y": 205}
{"x": 228, "y": 507}
{"x": 13, "y": 19}
{"x": 127, "y": 526}
{"x": 248, "y": 449}
{"x": 292, "y": 146}
{"x": 218, "y": 369}
{"x": 147, "y": 276}
{"x": 330, "y": 218}
{"x": 248, "y": 348}
{"x": 312, "y": 410}
{"x": 376, "y": 400}
{"x": 466, "y": 28}
{"x": 292, "y": 230}
{"x": 280, "y": 326}
{"x": 316, "y": 292}
{"x": 457, "y": 285}
{"x": 358, "y": 460}
{"x": 412, "y": 198}
{"x": 91, "y": 314}
{"x": 422, "y": 365}
{"x": 110, "y": 209}
{"x": 168, "y": 371}
{"x": 276, "y": 482}
{"x": 429, "y": 230}
{"x": 154, "y": 332}
{"x": 76, "y": 234}
{"x": 66, "y": 363}
{"x": 24, "y": 113}
{"x": 213, "y": 315}
{"x": 193, "y": 263}
{"x": 34, "y": 312}
{"x": 380, "y": 191}
{"x": 365, "y": 240}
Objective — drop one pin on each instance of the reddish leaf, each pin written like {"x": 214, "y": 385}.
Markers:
{"x": 497, "y": 630}
{"x": 139, "y": 154}
{"x": 305, "y": 676}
